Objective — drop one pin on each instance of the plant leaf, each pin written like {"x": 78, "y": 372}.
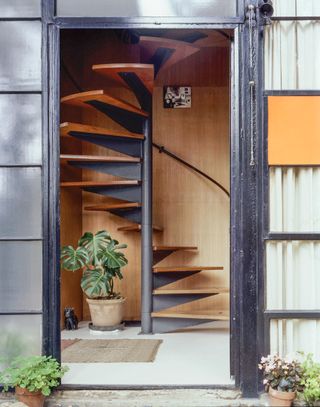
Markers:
{"x": 95, "y": 244}
{"x": 74, "y": 259}
{"x": 94, "y": 283}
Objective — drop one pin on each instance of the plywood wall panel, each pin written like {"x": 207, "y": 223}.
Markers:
{"x": 70, "y": 199}
{"x": 70, "y": 230}
{"x": 191, "y": 209}
{"x": 209, "y": 67}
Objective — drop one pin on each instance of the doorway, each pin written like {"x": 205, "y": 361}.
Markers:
{"x": 191, "y": 214}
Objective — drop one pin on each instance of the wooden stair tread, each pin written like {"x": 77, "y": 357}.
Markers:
{"x": 108, "y": 207}
{"x": 97, "y": 158}
{"x": 220, "y": 315}
{"x": 67, "y": 127}
{"x": 83, "y": 184}
{"x": 145, "y": 72}
{"x": 180, "y": 291}
{"x": 137, "y": 228}
{"x": 80, "y": 99}
{"x": 184, "y": 268}
{"x": 181, "y": 49}
{"x": 158, "y": 248}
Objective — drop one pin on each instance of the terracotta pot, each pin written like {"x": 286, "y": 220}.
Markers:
{"x": 281, "y": 398}
{"x": 106, "y": 312}
{"x": 31, "y": 399}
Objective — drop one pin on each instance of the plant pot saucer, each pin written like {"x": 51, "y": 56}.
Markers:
{"x": 119, "y": 327}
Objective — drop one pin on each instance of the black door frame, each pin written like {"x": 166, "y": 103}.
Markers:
{"x": 247, "y": 248}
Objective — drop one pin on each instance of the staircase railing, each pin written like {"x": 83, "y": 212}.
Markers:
{"x": 162, "y": 149}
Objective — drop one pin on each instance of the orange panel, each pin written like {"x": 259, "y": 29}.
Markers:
{"x": 294, "y": 130}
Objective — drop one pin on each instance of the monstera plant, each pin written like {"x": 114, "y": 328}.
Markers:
{"x": 100, "y": 258}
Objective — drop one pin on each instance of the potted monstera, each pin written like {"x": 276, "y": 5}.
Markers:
{"x": 100, "y": 258}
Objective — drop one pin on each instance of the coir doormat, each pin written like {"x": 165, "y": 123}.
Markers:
{"x": 111, "y": 351}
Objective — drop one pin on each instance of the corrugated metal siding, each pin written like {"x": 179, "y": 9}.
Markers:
{"x": 294, "y": 199}
{"x": 293, "y": 278}
{"x": 292, "y": 57}
{"x": 288, "y": 336}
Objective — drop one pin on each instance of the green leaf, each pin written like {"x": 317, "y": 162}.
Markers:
{"x": 95, "y": 244}
{"x": 113, "y": 259}
{"x": 94, "y": 283}
{"x": 74, "y": 259}
{"x": 33, "y": 373}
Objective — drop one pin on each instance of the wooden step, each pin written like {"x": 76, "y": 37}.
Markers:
{"x": 84, "y": 184}
{"x": 181, "y": 49}
{"x": 137, "y": 228}
{"x": 159, "y": 248}
{"x": 109, "y": 207}
{"x": 207, "y": 290}
{"x": 81, "y": 100}
{"x": 220, "y": 315}
{"x": 145, "y": 72}
{"x": 184, "y": 269}
{"x": 67, "y": 127}
{"x": 96, "y": 158}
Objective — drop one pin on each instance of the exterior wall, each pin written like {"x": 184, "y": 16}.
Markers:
{"x": 20, "y": 75}
{"x": 20, "y": 177}
{"x": 292, "y": 260}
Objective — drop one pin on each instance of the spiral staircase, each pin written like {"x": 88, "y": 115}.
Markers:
{"x": 133, "y": 188}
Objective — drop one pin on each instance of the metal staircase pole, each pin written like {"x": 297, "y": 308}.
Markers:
{"x": 146, "y": 229}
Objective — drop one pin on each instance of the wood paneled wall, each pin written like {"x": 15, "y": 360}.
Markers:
{"x": 191, "y": 210}
{"x": 70, "y": 199}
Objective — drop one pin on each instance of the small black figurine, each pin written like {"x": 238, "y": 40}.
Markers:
{"x": 70, "y": 319}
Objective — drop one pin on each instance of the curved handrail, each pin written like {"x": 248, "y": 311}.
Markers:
{"x": 162, "y": 149}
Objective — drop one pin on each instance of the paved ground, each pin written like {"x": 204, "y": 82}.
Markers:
{"x": 150, "y": 398}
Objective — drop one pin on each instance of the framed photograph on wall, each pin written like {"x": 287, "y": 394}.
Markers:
{"x": 176, "y": 97}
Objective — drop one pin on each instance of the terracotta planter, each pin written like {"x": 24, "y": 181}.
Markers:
{"x": 106, "y": 312}
{"x": 281, "y": 398}
{"x": 31, "y": 399}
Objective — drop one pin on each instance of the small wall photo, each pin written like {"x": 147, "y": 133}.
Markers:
{"x": 176, "y": 97}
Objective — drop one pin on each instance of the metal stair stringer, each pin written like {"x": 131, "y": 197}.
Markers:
{"x": 127, "y": 170}
{"x": 131, "y": 193}
{"x": 162, "y": 279}
{"x": 165, "y": 325}
{"x": 164, "y": 302}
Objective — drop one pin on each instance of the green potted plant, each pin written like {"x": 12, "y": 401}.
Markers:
{"x": 33, "y": 378}
{"x": 99, "y": 257}
{"x": 282, "y": 379}
{"x": 311, "y": 381}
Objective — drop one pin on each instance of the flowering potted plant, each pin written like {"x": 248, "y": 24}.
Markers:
{"x": 33, "y": 378}
{"x": 282, "y": 378}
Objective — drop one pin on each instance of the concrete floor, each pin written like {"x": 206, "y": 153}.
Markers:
{"x": 194, "y": 357}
